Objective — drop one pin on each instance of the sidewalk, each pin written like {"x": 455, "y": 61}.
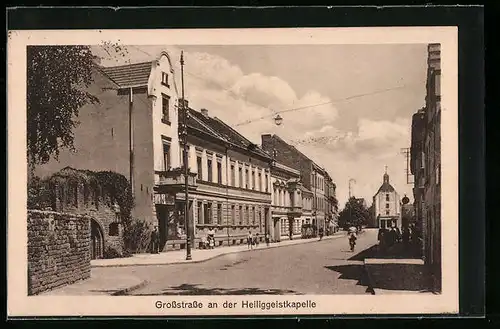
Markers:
{"x": 103, "y": 283}
{"x": 389, "y": 273}
{"x": 198, "y": 255}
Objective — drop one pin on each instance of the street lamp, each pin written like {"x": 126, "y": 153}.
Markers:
{"x": 186, "y": 167}
{"x": 278, "y": 120}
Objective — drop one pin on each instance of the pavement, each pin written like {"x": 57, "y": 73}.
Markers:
{"x": 398, "y": 270}
{"x": 198, "y": 255}
{"x": 299, "y": 266}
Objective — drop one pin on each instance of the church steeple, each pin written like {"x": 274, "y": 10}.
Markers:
{"x": 386, "y": 176}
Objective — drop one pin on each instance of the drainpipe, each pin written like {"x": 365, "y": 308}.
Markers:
{"x": 131, "y": 139}
{"x": 227, "y": 198}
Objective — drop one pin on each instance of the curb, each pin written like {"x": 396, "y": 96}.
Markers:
{"x": 125, "y": 291}
{"x": 215, "y": 256}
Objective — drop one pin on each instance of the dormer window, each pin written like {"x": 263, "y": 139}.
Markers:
{"x": 164, "y": 79}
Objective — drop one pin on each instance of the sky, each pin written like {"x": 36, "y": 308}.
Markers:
{"x": 354, "y": 102}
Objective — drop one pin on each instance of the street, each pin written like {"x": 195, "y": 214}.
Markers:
{"x": 322, "y": 267}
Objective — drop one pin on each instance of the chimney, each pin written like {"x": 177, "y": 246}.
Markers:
{"x": 186, "y": 103}
{"x": 204, "y": 112}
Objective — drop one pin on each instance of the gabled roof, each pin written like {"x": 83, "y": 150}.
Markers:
{"x": 131, "y": 75}
{"x": 220, "y": 130}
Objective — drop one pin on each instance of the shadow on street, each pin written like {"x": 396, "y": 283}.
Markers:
{"x": 411, "y": 277}
{"x": 398, "y": 251}
{"x": 353, "y": 272}
{"x": 196, "y": 289}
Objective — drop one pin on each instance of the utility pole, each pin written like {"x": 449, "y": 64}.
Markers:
{"x": 186, "y": 167}
{"x": 406, "y": 152}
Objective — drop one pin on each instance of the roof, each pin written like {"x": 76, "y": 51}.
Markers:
{"x": 129, "y": 75}
{"x": 385, "y": 188}
{"x": 217, "y": 128}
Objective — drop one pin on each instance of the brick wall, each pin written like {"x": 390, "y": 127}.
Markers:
{"x": 58, "y": 250}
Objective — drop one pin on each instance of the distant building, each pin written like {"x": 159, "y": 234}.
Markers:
{"x": 314, "y": 179}
{"x": 387, "y": 205}
{"x": 426, "y": 165}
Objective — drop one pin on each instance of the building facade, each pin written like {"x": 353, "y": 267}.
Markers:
{"x": 287, "y": 202}
{"x": 313, "y": 178}
{"x": 426, "y": 165}
{"x": 232, "y": 192}
{"x": 387, "y": 205}
{"x": 127, "y": 130}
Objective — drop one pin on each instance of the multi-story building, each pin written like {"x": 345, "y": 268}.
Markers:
{"x": 287, "y": 202}
{"x": 233, "y": 184}
{"x": 331, "y": 204}
{"x": 312, "y": 177}
{"x": 133, "y": 131}
{"x": 426, "y": 165}
{"x": 387, "y": 205}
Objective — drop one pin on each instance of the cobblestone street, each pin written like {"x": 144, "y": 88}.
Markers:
{"x": 322, "y": 267}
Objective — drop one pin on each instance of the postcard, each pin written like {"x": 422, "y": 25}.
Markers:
{"x": 308, "y": 171}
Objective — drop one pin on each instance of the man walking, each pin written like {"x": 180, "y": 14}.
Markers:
{"x": 250, "y": 240}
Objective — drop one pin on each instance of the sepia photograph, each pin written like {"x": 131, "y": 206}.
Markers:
{"x": 274, "y": 172}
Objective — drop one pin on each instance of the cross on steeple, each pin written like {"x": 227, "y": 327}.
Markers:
{"x": 386, "y": 169}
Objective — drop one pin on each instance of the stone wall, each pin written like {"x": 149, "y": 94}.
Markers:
{"x": 58, "y": 250}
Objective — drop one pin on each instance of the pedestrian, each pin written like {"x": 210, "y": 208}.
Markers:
{"x": 256, "y": 240}
{"x": 406, "y": 236}
{"x": 267, "y": 239}
{"x": 154, "y": 241}
{"x": 382, "y": 239}
{"x": 250, "y": 240}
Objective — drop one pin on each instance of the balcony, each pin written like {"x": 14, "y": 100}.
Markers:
{"x": 173, "y": 181}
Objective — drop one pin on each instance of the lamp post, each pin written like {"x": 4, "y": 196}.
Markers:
{"x": 186, "y": 167}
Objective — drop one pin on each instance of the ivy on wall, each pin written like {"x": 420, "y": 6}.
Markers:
{"x": 105, "y": 187}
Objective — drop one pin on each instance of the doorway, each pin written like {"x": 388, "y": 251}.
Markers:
{"x": 277, "y": 229}
{"x": 96, "y": 240}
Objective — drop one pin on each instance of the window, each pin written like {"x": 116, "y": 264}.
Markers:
{"x": 208, "y": 214}
{"x": 241, "y": 216}
{"x": 260, "y": 182}
{"x": 219, "y": 173}
{"x": 267, "y": 184}
{"x": 240, "y": 177}
{"x": 200, "y": 167}
{"x": 209, "y": 168}
{"x": 200, "y": 213}
{"x": 253, "y": 180}
{"x": 164, "y": 79}
{"x": 219, "y": 213}
{"x": 386, "y": 206}
{"x": 246, "y": 178}
{"x": 247, "y": 215}
{"x": 233, "y": 214}
{"x": 232, "y": 176}
{"x": 387, "y": 197}
{"x": 387, "y": 212}
{"x": 165, "y": 109}
{"x": 253, "y": 215}
{"x": 166, "y": 157}
{"x": 437, "y": 84}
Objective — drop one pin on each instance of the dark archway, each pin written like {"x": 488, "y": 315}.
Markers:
{"x": 96, "y": 240}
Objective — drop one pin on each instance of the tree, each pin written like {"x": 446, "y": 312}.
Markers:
{"x": 354, "y": 213}
{"x": 57, "y": 82}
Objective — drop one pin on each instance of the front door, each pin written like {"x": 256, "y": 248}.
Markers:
{"x": 277, "y": 229}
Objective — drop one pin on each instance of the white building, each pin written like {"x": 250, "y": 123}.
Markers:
{"x": 387, "y": 205}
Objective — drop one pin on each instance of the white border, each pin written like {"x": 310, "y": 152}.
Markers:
{"x": 19, "y": 304}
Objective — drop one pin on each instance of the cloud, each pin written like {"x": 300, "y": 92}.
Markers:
{"x": 214, "y": 83}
